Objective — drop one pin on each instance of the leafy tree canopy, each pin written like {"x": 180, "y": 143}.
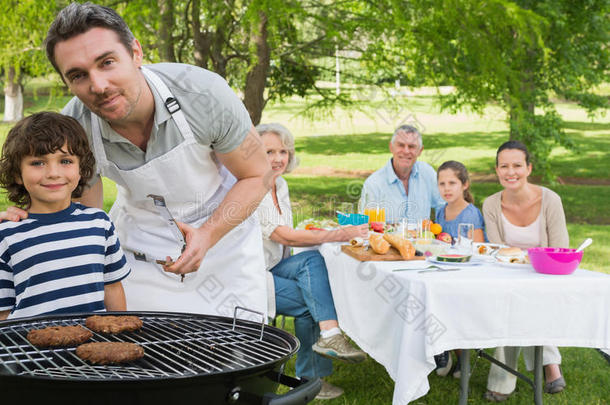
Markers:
{"x": 514, "y": 53}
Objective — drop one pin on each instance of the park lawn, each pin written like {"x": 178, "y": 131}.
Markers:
{"x": 368, "y": 383}
{"x": 359, "y": 139}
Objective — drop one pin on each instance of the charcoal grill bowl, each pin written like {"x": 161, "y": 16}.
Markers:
{"x": 247, "y": 385}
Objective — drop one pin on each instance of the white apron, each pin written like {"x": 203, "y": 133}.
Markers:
{"x": 193, "y": 184}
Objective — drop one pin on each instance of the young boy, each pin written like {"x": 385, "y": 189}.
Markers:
{"x": 65, "y": 257}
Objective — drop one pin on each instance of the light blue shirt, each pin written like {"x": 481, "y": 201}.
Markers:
{"x": 386, "y": 189}
{"x": 469, "y": 215}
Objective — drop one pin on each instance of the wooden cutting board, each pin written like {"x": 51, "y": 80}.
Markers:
{"x": 365, "y": 255}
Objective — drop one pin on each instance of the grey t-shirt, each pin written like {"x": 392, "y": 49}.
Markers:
{"x": 215, "y": 114}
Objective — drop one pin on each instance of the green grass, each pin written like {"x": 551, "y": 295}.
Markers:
{"x": 359, "y": 140}
{"x": 368, "y": 383}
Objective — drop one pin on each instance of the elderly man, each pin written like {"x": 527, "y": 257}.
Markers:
{"x": 405, "y": 187}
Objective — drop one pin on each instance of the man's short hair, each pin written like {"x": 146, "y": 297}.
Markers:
{"x": 37, "y": 135}
{"x": 409, "y": 129}
{"x": 76, "y": 19}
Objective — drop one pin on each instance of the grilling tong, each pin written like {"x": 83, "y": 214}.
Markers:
{"x": 159, "y": 202}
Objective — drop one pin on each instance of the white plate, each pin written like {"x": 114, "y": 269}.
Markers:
{"x": 474, "y": 261}
{"x": 514, "y": 265}
{"x": 496, "y": 246}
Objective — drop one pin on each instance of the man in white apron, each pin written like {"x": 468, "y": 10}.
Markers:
{"x": 168, "y": 130}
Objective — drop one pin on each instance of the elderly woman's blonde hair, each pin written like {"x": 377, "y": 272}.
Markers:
{"x": 286, "y": 138}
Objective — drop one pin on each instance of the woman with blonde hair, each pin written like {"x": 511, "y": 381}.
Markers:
{"x": 300, "y": 282}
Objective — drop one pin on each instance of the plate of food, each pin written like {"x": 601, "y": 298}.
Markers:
{"x": 486, "y": 249}
{"x": 314, "y": 224}
{"x": 456, "y": 259}
{"x": 512, "y": 257}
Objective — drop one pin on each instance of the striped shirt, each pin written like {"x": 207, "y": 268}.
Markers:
{"x": 59, "y": 263}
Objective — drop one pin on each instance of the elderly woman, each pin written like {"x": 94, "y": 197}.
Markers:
{"x": 301, "y": 281}
{"x": 523, "y": 215}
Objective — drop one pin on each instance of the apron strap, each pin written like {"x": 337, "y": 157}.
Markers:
{"x": 170, "y": 102}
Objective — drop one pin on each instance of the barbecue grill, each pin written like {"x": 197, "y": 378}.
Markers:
{"x": 209, "y": 359}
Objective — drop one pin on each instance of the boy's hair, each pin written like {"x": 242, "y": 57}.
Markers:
{"x": 40, "y": 134}
{"x": 76, "y": 19}
{"x": 461, "y": 173}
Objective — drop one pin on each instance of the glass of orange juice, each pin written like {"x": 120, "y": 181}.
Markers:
{"x": 372, "y": 208}
{"x": 375, "y": 213}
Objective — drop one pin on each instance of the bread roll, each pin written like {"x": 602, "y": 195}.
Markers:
{"x": 379, "y": 245}
{"x": 404, "y": 247}
{"x": 356, "y": 242}
{"x": 511, "y": 255}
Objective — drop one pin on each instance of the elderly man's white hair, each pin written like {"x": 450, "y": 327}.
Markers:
{"x": 409, "y": 129}
{"x": 286, "y": 138}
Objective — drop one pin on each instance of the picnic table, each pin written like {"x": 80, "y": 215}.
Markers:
{"x": 403, "y": 318}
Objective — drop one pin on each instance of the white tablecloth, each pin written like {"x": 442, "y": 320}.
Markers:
{"x": 402, "y": 319}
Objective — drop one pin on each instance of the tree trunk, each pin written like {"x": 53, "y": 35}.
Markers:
{"x": 219, "y": 61}
{"x": 523, "y": 107}
{"x": 201, "y": 40}
{"x": 519, "y": 115}
{"x": 13, "y": 97}
{"x": 166, "y": 28}
{"x": 254, "y": 92}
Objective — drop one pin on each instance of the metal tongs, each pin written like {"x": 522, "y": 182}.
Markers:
{"x": 161, "y": 207}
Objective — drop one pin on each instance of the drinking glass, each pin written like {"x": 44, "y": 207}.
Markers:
{"x": 464, "y": 240}
{"x": 423, "y": 229}
{"x": 374, "y": 209}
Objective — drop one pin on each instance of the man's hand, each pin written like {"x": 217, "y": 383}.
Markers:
{"x": 197, "y": 245}
{"x": 13, "y": 214}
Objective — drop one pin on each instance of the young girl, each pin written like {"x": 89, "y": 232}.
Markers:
{"x": 454, "y": 188}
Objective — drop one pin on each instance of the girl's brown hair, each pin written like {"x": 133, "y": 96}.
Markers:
{"x": 40, "y": 134}
{"x": 461, "y": 173}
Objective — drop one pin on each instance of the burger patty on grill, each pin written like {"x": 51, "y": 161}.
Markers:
{"x": 56, "y": 336}
{"x": 109, "y": 352}
{"x": 113, "y": 324}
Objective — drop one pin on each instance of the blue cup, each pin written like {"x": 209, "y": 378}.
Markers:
{"x": 352, "y": 219}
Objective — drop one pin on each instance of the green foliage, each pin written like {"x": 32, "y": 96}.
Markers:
{"x": 21, "y": 36}
{"x": 516, "y": 54}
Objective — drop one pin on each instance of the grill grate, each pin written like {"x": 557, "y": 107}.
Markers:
{"x": 175, "y": 345}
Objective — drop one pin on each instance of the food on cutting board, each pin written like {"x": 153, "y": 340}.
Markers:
{"x": 109, "y": 352}
{"x": 404, "y": 247}
{"x": 512, "y": 255}
{"x": 113, "y": 324}
{"x": 356, "y": 242}
{"x": 59, "y": 336}
{"x": 378, "y": 244}
{"x": 453, "y": 258}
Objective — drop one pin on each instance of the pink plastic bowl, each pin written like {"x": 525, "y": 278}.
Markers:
{"x": 554, "y": 260}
